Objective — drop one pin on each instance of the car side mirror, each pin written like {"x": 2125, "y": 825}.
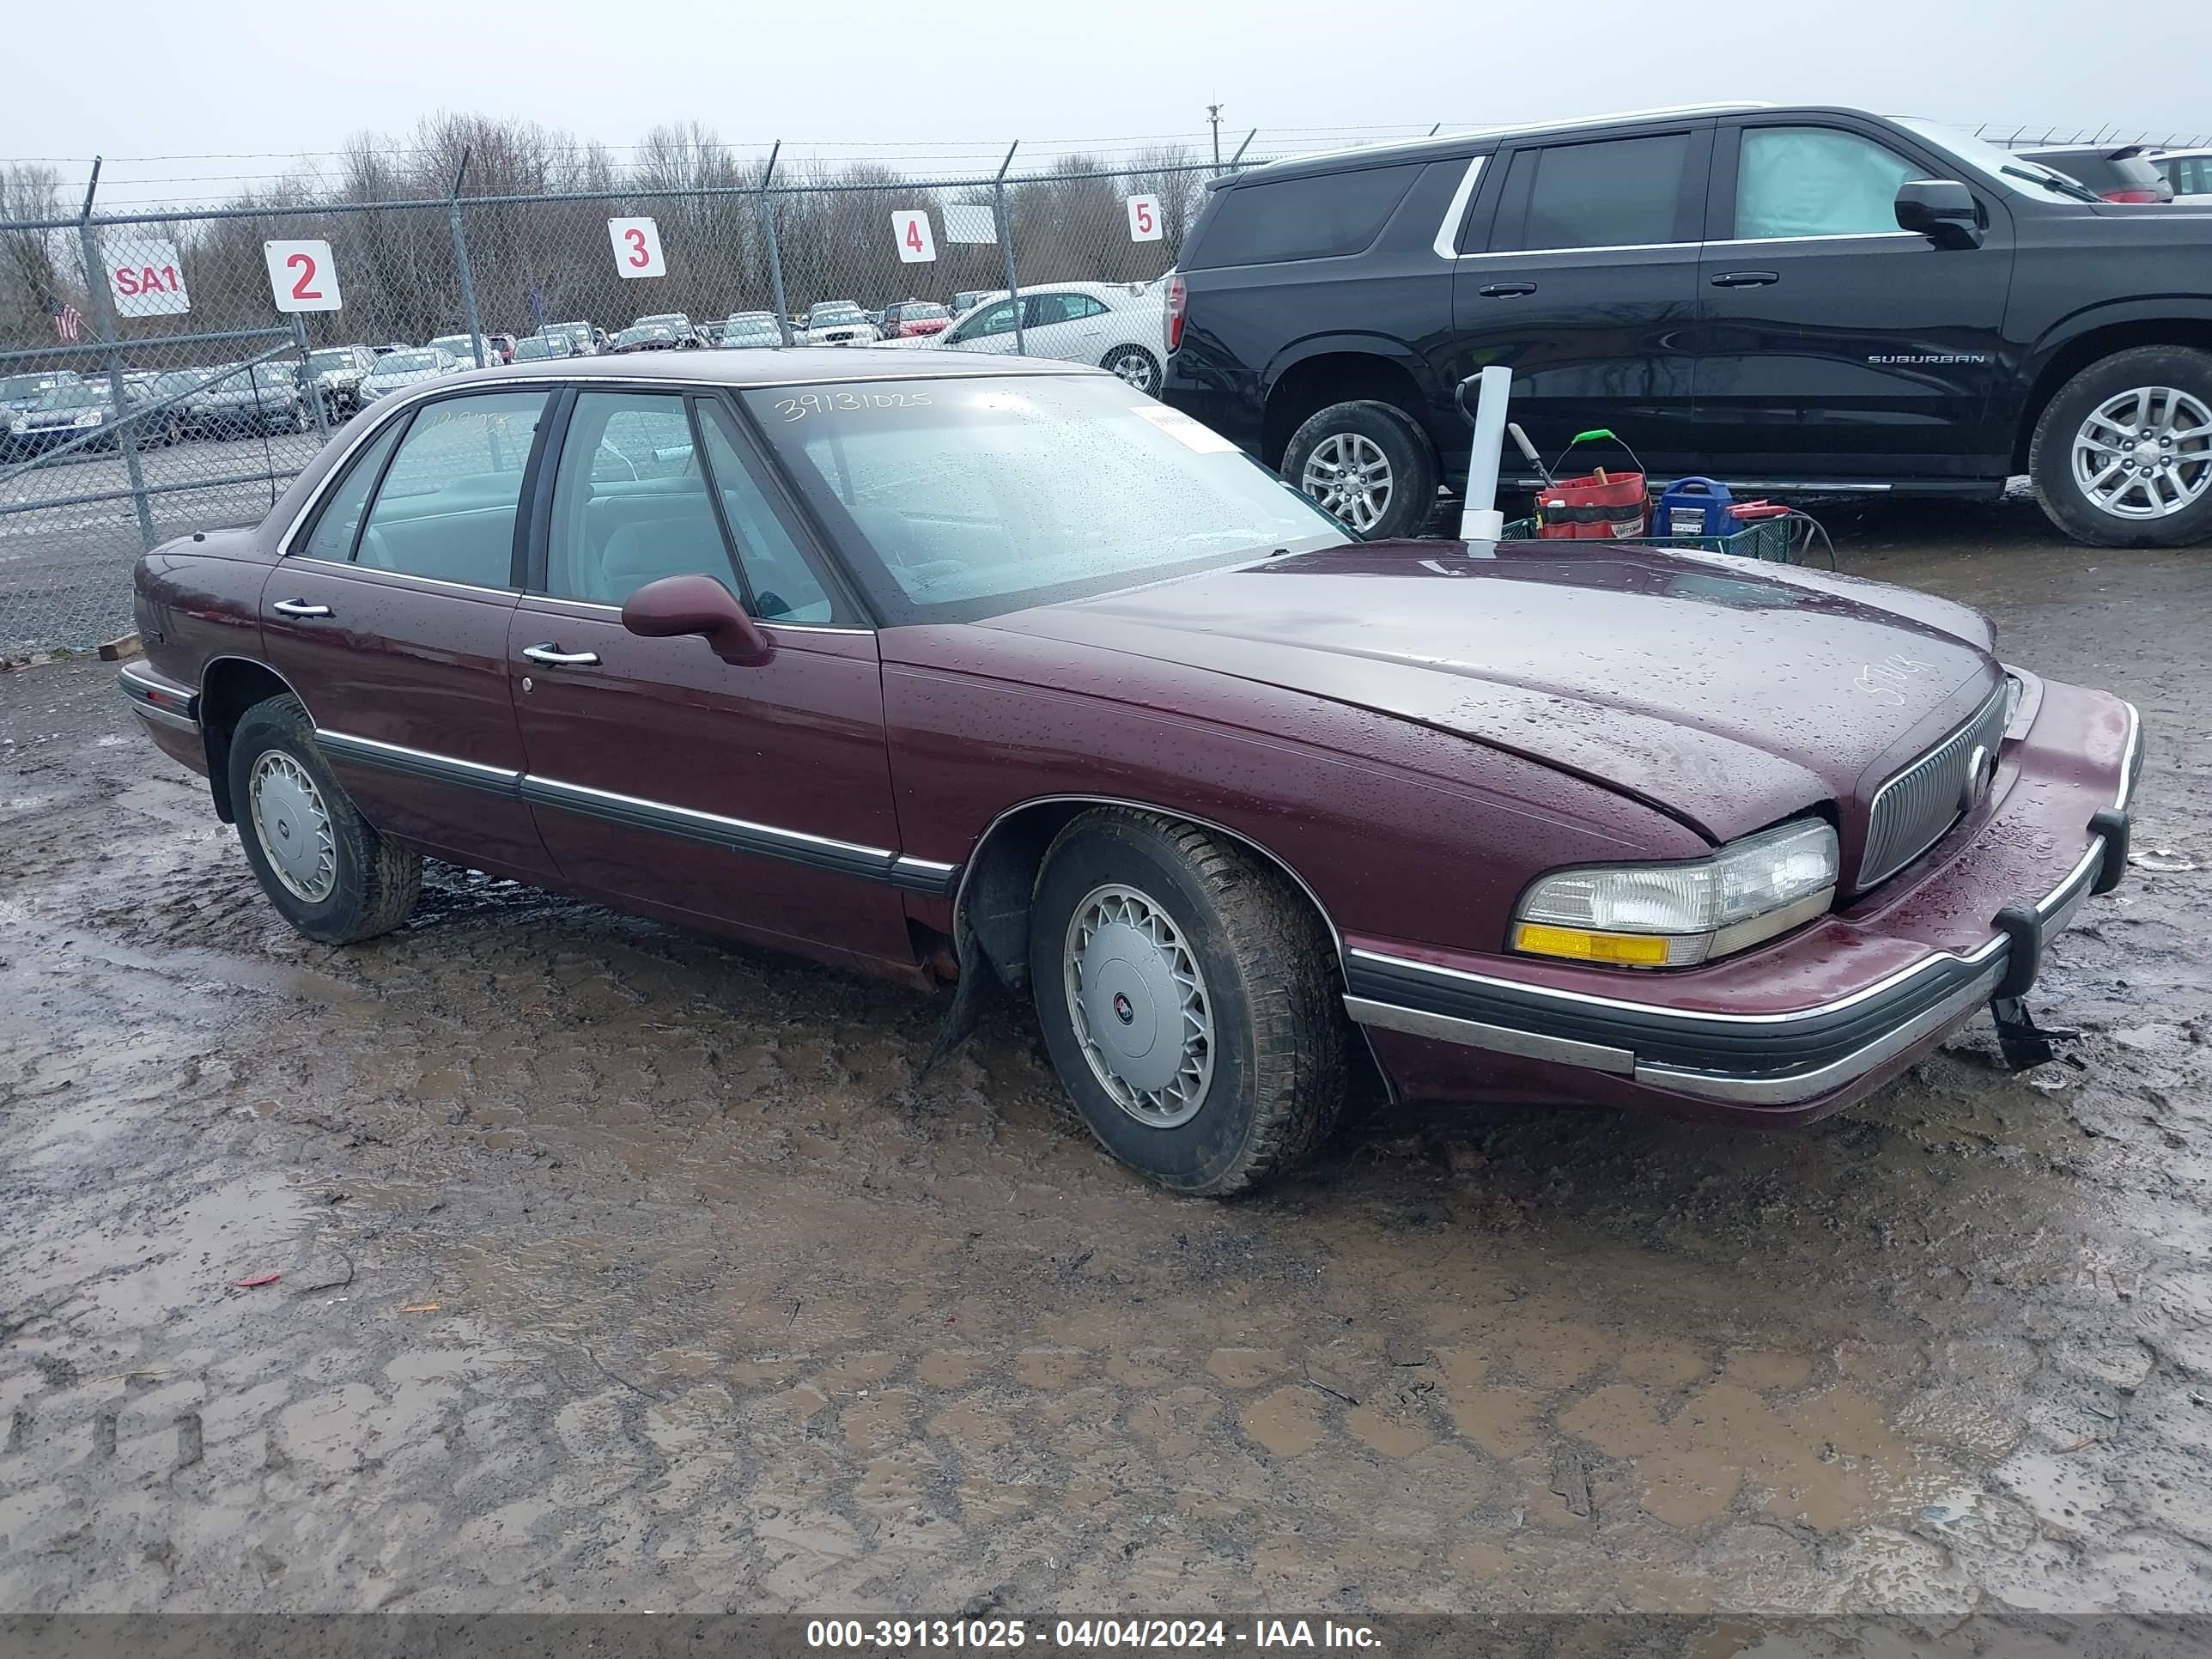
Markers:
{"x": 1941, "y": 209}
{"x": 676, "y": 605}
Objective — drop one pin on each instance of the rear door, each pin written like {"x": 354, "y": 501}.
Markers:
{"x": 757, "y": 798}
{"x": 388, "y": 615}
{"x": 1069, "y": 327}
{"x": 1832, "y": 345}
{"x": 1585, "y": 286}
{"x": 990, "y": 330}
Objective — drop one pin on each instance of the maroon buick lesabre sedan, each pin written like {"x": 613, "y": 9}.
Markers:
{"x": 1002, "y": 672}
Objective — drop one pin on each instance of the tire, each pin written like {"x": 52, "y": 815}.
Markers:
{"x": 1259, "y": 968}
{"x": 2093, "y": 417}
{"x": 1395, "y": 503}
{"x": 369, "y": 885}
{"x": 1135, "y": 364}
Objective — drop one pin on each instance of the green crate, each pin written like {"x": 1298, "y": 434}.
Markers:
{"x": 1768, "y": 539}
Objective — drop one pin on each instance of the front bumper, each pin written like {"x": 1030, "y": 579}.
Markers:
{"x": 1727, "y": 1038}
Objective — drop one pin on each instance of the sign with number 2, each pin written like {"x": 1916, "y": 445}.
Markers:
{"x": 637, "y": 247}
{"x": 915, "y": 245}
{"x": 302, "y": 275}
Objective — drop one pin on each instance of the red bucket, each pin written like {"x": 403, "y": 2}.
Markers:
{"x": 1593, "y": 507}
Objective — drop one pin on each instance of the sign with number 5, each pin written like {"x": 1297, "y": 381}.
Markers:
{"x": 637, "y": 247}
{"x": 1144, "y": 219}
{"x": 302, "y": 275}
{"x": 915, "y": 245}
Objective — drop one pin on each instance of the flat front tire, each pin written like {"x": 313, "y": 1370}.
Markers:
{"x": 1368, "y": 465}
{"x": 323, "y": 865}
{"x": 1189, "y": 999}
{"x": 2122, "y": 456}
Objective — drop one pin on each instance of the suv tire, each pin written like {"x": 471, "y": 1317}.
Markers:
{"x": 1368, "y": 465}
{"x": 1145, "y": 932}
{"x": 2121, "y": 411}
{"x": 325, "y": 868}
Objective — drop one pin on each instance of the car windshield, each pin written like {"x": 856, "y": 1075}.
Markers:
{"x": 83, "y": 394}
{"x": 527, "y": 350}
{"x": 26, "y": 385}
{"x": 329, "y": 362}
{"x": 632, "y": 336}
{"x": 407, "y": 363}
{"x": 278, "y": 375}
{"x": 455, "y": 345}
{"x": 908, "y": 314}
{"x": 962, "y": 498}
{"x": 833, "y": 314}
{"x": 1998, "y": 167}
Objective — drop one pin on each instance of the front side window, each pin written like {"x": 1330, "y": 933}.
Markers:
{"x": 630, "y": 501}
{"x": 1816, "y": 181}
{"x": 446, "y": 507}
{"x": 1620, "y": 193}
{"x": 998, "y": 319}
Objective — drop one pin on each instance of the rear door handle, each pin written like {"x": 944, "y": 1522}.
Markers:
{"x": 1747, "y": 278}
{"x": 553, "y": 657}
{"x": 300, "y": 608}
{"x": 1506, "y": 290}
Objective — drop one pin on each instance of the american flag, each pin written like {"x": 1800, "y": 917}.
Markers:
{"x": 68, "y": 321}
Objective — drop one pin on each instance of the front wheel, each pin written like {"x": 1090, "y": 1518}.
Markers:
{"x": 1368, "y": 465}
{"x": 323, "y": 866}
{"x": 2122, "y": 457}
{"x": 1137, "y": 365}
{"x": 1188, "y": 998}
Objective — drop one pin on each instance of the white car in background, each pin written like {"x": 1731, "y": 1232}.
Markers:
{"x": 838, "y": 322}
{"x": 2189, "y": 171}
{"x": 1115, "y": 325}
{"x": 409, "y": 368}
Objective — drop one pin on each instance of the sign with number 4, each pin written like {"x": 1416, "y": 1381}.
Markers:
{"x": 1144, "y": 219}
{"x": 915, "y": 245}
{"x": 302, "y": 275}
{"x": 637, "y": 247}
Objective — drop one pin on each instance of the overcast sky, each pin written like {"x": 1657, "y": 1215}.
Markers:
{"x": 188, "y": 78}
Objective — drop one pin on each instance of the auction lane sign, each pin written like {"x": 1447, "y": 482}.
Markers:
{"x": 303, "y": 275}
{"x": 145, "y": 278}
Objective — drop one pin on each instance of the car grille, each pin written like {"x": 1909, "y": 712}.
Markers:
{"x": 1920, "y": 803}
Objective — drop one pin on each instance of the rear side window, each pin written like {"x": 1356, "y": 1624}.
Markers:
{"x": 1318, "y": 218}
{"x": 1620, "y": 193}
{"x": 446, "y": 507}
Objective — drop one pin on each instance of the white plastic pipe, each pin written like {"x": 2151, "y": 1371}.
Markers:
{"x": 1479, "y": 520}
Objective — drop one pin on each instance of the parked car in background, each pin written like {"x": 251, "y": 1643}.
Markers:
{"x": 408, "y": 367}
{"x": 2188, "y": 171}
{"x": 536, "y": 348}
{"x": 336, "y": 372}
{"x": 968, "y": 298}
{"x": 911, "y": 318}
{"x": 583, "y": 338}
{"x": 675, "y": 322}
{"x": 1043, "y": 682}
{"x": 1110, "y": 326}
{"x": 504, "y": 344}
{"x": 20, "y": 393}
{"x": 2123, "y": 174}
{"x": 1325, "y": 309}
{"x": 655, "y": 337}
{"x": 71, "y": 408}
{"x": 838, "y": 322}
{"x": 751, "y": 328}
{"x": 461, "y": 347}
{"x": 236, "y": 401}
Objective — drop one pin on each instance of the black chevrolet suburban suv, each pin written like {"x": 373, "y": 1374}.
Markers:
{"x": 1805, "y": 299}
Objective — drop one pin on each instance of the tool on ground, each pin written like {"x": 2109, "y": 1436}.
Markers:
{"x": 1528, "y": 451}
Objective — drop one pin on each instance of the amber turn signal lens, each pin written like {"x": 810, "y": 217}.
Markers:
{"x": 1581, "y": 945}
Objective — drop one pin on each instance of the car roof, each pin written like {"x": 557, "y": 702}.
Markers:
{"x": 750, "y": 366}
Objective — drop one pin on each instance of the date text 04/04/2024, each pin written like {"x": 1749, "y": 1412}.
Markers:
{"x": 906, "y": 1635}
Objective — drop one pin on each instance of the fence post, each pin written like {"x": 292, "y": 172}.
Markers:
{"x": 461, "y": 254}
{"x": 308, "y": 389}
{"x": 1006, "y": 245}
{"x": 775, "y": 253}
{"x": 104, "y": 328}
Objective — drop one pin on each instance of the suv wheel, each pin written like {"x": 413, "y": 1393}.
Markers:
{"x": 1368, "y": 464}
{"x": 2122, "y": 457}
{"x": 1189, "y": 1000}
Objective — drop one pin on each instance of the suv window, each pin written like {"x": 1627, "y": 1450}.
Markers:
{"x": 1816, "y": 181}
{"x": 446, "y": 507}
{"x": 1617, "y": 193}
{"x": 629, "y": 502}
{"x": 1317, "y": 218}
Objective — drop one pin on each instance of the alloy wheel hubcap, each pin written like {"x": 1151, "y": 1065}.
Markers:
{"x": 294, "y": 827}
{"x": 2145, "y": 453}
{"x": 1138, "y": 1003}
{"x": 1136, "y": 370}
{"x": 1350, "y": 476}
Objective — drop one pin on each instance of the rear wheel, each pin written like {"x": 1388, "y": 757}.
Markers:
{"x": 1367, "y": 464}
{"x": 2122, "y": 457}
{"x": 1135, "y": 364}
{"x": 1188, "y": 998}
{"x": 326, "y": 869}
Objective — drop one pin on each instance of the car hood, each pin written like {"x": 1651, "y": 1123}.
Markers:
{"x": 1727, "y": 693}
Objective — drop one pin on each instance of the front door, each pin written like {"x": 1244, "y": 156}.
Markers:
{"x": 1832, "y": 345}
{"x": 757, "y": 798}
{"x": 1586, "y": 288}
{"x": 388, "y": 616}
{"x": 990, "y": 330}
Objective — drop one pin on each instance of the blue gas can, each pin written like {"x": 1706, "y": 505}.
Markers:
{"x": 1694, "y": 507}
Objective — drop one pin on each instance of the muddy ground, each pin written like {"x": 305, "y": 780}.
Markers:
{"x": 623, "y": 1271}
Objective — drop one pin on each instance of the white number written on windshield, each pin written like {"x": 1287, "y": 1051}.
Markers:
{"x": 822, "y": 402}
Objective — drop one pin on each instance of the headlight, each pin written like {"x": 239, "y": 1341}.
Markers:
{"x": 1675, "y": 915}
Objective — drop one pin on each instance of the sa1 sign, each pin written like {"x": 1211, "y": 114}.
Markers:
{"x": 1144, "y": 219}
{"x": 915, "y": 245}
{"x": 145, "y": 278}
{"x": 637, "y": 247}
{"x": 302, "y": 275}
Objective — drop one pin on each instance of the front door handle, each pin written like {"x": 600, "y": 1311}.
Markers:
{"x": 1747, "y": 278}
{"x": 300, "y": 608}
{"x": 1506, "y": 290}
{"x": 553, "y": 657}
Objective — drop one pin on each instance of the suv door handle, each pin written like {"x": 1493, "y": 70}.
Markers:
{"x": 1747, "y": 278}
{"x": 1506, "y": 290}
{"x": 553, "y": 657}
{"x": 300, "y": 608}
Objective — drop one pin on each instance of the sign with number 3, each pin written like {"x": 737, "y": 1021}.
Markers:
{"x": 637, "y": 247}
{"x": 302, "y": 275}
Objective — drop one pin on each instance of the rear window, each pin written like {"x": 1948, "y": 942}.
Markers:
{"x": 1317, "y": 218}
